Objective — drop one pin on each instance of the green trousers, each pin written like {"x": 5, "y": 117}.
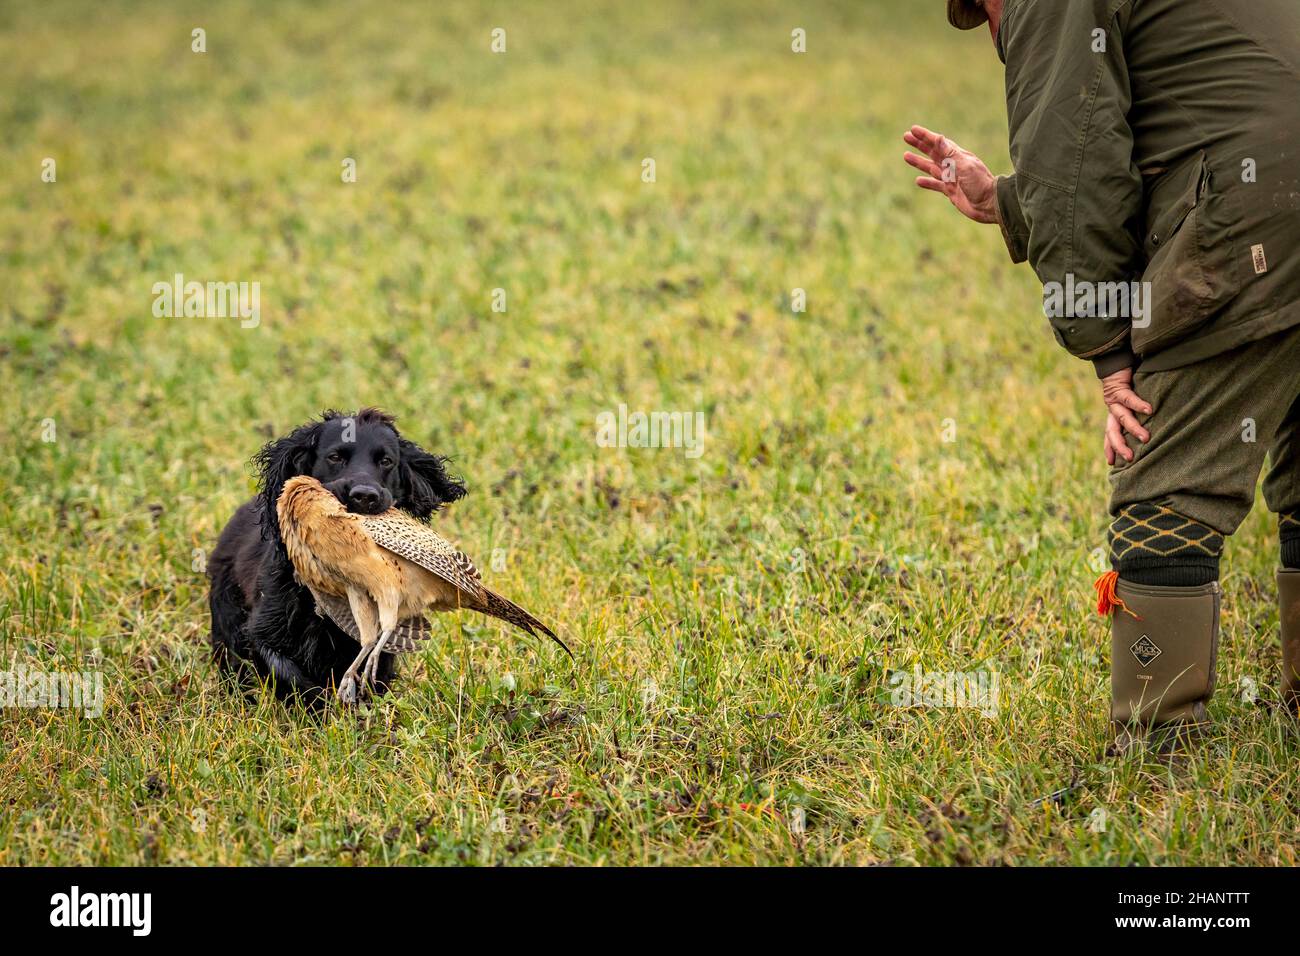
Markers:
{"x": 1211, "y": 426}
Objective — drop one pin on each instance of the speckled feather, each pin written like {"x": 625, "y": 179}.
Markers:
{"x": 407, "y": 538}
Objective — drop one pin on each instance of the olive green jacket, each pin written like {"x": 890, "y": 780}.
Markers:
{"x": 1156, "y": 140}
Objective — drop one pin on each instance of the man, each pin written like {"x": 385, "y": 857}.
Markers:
{"x": 1156, "y": 193}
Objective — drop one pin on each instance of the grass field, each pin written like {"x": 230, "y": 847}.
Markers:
{"x": 906, "y": 475}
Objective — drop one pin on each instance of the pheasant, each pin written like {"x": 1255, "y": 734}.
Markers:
{"x": 375, "y": 576}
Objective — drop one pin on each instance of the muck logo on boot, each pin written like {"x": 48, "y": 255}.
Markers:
{"x": 1145, "y": 650}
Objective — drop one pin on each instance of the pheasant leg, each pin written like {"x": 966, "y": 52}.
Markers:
{"x": 366, "y": 616}
{"x": 372, "y": 665}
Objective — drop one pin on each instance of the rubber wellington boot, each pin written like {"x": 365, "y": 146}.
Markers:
{"x": 1288, "y": 593}
{"x": 1163, "y": 648}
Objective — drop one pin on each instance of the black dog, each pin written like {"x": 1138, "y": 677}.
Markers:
{"x": 264, "y": 624}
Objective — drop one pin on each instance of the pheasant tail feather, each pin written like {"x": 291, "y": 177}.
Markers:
{"x": 496, "y": 606}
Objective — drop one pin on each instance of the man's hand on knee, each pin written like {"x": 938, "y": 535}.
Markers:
{"x": 1121, "y": 402}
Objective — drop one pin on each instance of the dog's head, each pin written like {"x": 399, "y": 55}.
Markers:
{"x": 363, "y": 461}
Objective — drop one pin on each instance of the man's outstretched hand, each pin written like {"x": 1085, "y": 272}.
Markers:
{"x": 957, "y": 173}
{"x": 1121, "y": 402}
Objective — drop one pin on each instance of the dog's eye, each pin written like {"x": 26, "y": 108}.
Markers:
{"x": 334, "y": 458}
{"x": 386, "y": 462}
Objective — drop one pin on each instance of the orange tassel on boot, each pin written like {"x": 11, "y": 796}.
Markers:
{"x": 1107, "y": 598}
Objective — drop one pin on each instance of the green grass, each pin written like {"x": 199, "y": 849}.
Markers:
{"x": 720, "y": 694}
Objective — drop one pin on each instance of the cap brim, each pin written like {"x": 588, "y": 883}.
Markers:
{"x": 965, "y": 15}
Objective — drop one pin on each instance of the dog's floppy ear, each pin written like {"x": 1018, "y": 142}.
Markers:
{"x": 425, "y": 482}
{"x": 277, "y": 462}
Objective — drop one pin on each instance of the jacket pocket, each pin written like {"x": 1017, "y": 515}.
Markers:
{"x": 1189, "y": 273}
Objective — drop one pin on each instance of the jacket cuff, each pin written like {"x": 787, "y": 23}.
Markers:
{"x": 1112, "y": 362}
{"x": 1015, "y": 231}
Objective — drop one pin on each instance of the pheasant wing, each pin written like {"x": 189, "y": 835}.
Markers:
{"x": 404, "y": 536}
{"x": 420, "y": 544}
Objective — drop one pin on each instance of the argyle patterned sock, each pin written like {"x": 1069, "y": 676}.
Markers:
{"x": 1153, "y": 544}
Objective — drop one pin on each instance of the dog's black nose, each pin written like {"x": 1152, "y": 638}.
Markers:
{"x": 364, "y": 498}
